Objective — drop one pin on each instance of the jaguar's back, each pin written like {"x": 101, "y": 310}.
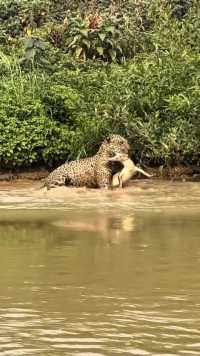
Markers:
{"x": 77, "y": 173}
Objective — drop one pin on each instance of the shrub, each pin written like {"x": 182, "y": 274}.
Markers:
{"x": 132, "y": 70}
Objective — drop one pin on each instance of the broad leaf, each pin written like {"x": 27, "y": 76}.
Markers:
{"x": 112, "y": 54}
{"x": 109, "y": 41}
{"x": 84, "y": 32}
{"x": 29, "y": 31}
{"x": 28, "y": 43}
{"x": 75, "y": 39}
{"x": 102, "y": 36}
{"x": 86, "y": 42}
{"x": 100, "y": 50}
{"x": 78, "y": 52}
{"x": 30, "y": 53}
{"x": 40, "y": 44}
{"x": 110, "y": 29}
{"x": 120, "y": 49}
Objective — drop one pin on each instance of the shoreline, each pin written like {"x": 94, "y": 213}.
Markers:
{"x": 33, "y": 174}
{"x": 180, "y": 173}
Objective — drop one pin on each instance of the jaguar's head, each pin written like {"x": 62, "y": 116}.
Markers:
{"x": 115, "y": 143}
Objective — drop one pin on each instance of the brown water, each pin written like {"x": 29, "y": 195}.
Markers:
{"x": 100, "y": 273}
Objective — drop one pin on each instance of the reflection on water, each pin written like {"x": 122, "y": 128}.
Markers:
{"x": 94, "y": 283}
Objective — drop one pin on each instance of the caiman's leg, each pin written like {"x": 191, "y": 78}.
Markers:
{"x": 120, "y": 181}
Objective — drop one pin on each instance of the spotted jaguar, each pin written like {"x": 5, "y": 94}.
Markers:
{"x": 92, "y": 172}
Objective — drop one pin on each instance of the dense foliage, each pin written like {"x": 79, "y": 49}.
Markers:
{"x": 73, "y": 72}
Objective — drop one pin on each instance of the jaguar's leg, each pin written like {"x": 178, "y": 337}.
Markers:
{"x": 104, "y": 178}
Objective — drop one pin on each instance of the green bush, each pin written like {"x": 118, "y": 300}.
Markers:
{"x": 62, "y": 91}
{"x": 29, "y": 142}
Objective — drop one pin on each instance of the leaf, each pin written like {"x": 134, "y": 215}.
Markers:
{"x": 29, "y": 31}
{"x": 86, "y": 42}
{"x": 30, "y": 53}
{"x": 84, "y": 32}
{"x": 28, "y": 43}
{"x": 100, "y": 50}
{"x": 109, "y": 41}
{"x": 112, "y": 54}
{"x": 78, "y": 52}
{"x": 110, "y": 29}
{"x": 120, "y": 49}
{"x": 102, "y": 36}
{"x": 22, "y": 61}
{"x": 83, "y": 56}
{"x": 73, "y": 41}
{"x": 40, "y": 44}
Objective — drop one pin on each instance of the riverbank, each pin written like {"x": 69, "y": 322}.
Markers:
{"x": 24, "y": 174}
{"x": 180, "y": 172}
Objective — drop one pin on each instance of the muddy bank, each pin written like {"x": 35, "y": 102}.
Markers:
{"x": 181, "y": 172}
{"x": 24, "y": 174}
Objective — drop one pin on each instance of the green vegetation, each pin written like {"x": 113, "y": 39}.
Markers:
{"x": 73, "y": 72}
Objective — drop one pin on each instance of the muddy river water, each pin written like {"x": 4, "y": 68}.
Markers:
{"x": 98, "y": 273}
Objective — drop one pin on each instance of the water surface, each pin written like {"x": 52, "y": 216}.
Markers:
{"x": 89, "y": 273}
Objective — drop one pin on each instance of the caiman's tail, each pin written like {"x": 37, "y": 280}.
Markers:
{"x": 140, "y": 170}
